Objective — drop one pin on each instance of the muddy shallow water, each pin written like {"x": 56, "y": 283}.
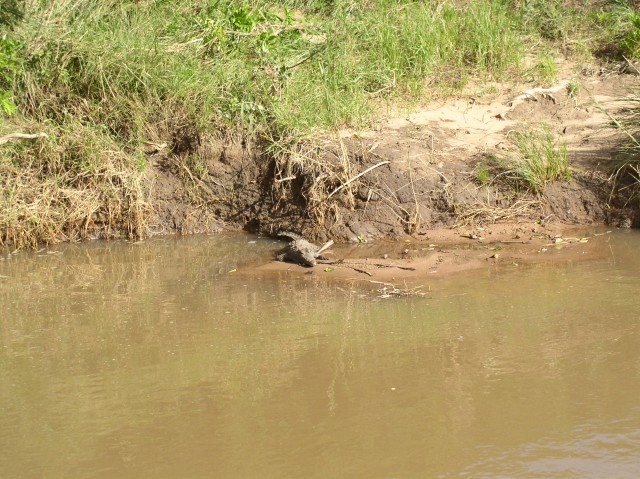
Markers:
{"x": 157, "y": 360}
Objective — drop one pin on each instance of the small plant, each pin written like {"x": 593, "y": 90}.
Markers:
{"x": 545, "y": 69}
{"x": 573, "y": 88}
{"x": 9, "y": 67}
{"x": 547, "y": 17}
{"x": 6, "y": 105}
{"x": 481, "y": 173}
{"x": 619, "y": 28}
{"x": 541, "y": 159}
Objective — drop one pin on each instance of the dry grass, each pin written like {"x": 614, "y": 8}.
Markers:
{"x": 317, "y": 171}
{"x": 65, "y": 188}
{"x": 486, "y": 213}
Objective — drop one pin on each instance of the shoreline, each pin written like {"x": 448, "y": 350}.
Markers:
{"x": 449, "y": 252}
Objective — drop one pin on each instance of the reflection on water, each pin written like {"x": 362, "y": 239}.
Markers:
{"x": 157, "y": 360}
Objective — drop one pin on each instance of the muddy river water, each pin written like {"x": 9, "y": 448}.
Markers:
{"x": 157, "y": 359}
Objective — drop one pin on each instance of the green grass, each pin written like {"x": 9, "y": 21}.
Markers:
{"x": 481, "y": 174}
{"x": 625, "y": 171}
{"x": 116, "y": 73}
{"x": 257, "y": 66}
{"x": 541, "y": 159}
{"x": 294, "y": 66}
{"x": 573, "y": 89}
{"x": 545, "y": 69}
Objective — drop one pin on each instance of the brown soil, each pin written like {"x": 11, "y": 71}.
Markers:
{"x": 449, "y": 251}
{"x": 424, "y": 180}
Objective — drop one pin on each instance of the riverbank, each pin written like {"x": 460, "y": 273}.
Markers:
{"x": 155, "y": 119}
{"x": 466, "y": 161}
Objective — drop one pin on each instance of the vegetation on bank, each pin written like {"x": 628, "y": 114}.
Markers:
{"x": 539, "y": 159}
{"x": 106, "y": 78}
{"x": 625, "y": 173}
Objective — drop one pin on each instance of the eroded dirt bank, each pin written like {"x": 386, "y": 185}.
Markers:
{"x": 436, "y": 168}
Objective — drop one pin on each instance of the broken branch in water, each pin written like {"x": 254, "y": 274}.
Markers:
{"x": 346, "y": 183}
{"x": 21, "y": 136}
{"x": 389, "y": 290}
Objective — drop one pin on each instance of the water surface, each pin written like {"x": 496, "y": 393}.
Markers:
{"x": 157, "y": 359}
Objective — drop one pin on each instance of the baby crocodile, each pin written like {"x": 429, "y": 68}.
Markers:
{"x": 300, "y": 251}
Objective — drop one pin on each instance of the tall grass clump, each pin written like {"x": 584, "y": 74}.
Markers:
{"x": 541, "y": 159}
{"x": 616, "y": 29}
{"x": 625, "y": 171}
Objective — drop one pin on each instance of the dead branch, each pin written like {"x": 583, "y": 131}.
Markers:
{"x": 359, "y": 270}
{"x": 346, "y": 183}
{"x": 21, "y": 136}
{"x": 635, "y": 69}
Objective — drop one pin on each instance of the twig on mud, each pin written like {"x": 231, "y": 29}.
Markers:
{"x": 378, "y": 265}
{"x": 364, "y": 271}
{"x": 393, "y": 205}
{"x": 381, "y": 265}
{"x": 21, "y": 136}
{"x": 351, "y": 180}
{"x": 413, "y": 221}
{"x": 446, "y": 180}
{"x": 288, "y": 178}
{"x": 345, "y": 265}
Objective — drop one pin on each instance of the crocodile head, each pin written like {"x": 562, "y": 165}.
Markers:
{"x": 308, "y": 258}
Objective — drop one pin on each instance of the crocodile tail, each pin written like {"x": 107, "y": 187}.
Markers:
{"x": 289, "y": 234}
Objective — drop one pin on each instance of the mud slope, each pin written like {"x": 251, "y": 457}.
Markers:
{"x": 410, "y": 175}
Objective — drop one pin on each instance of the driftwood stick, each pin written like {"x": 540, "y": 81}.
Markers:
{"x": 288, "y": 178}
{"x": 356, "y": 177}
{"x": 21, "y": 136}
{"x": 382, "y": 265}
{"x": 359, "y": 270}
